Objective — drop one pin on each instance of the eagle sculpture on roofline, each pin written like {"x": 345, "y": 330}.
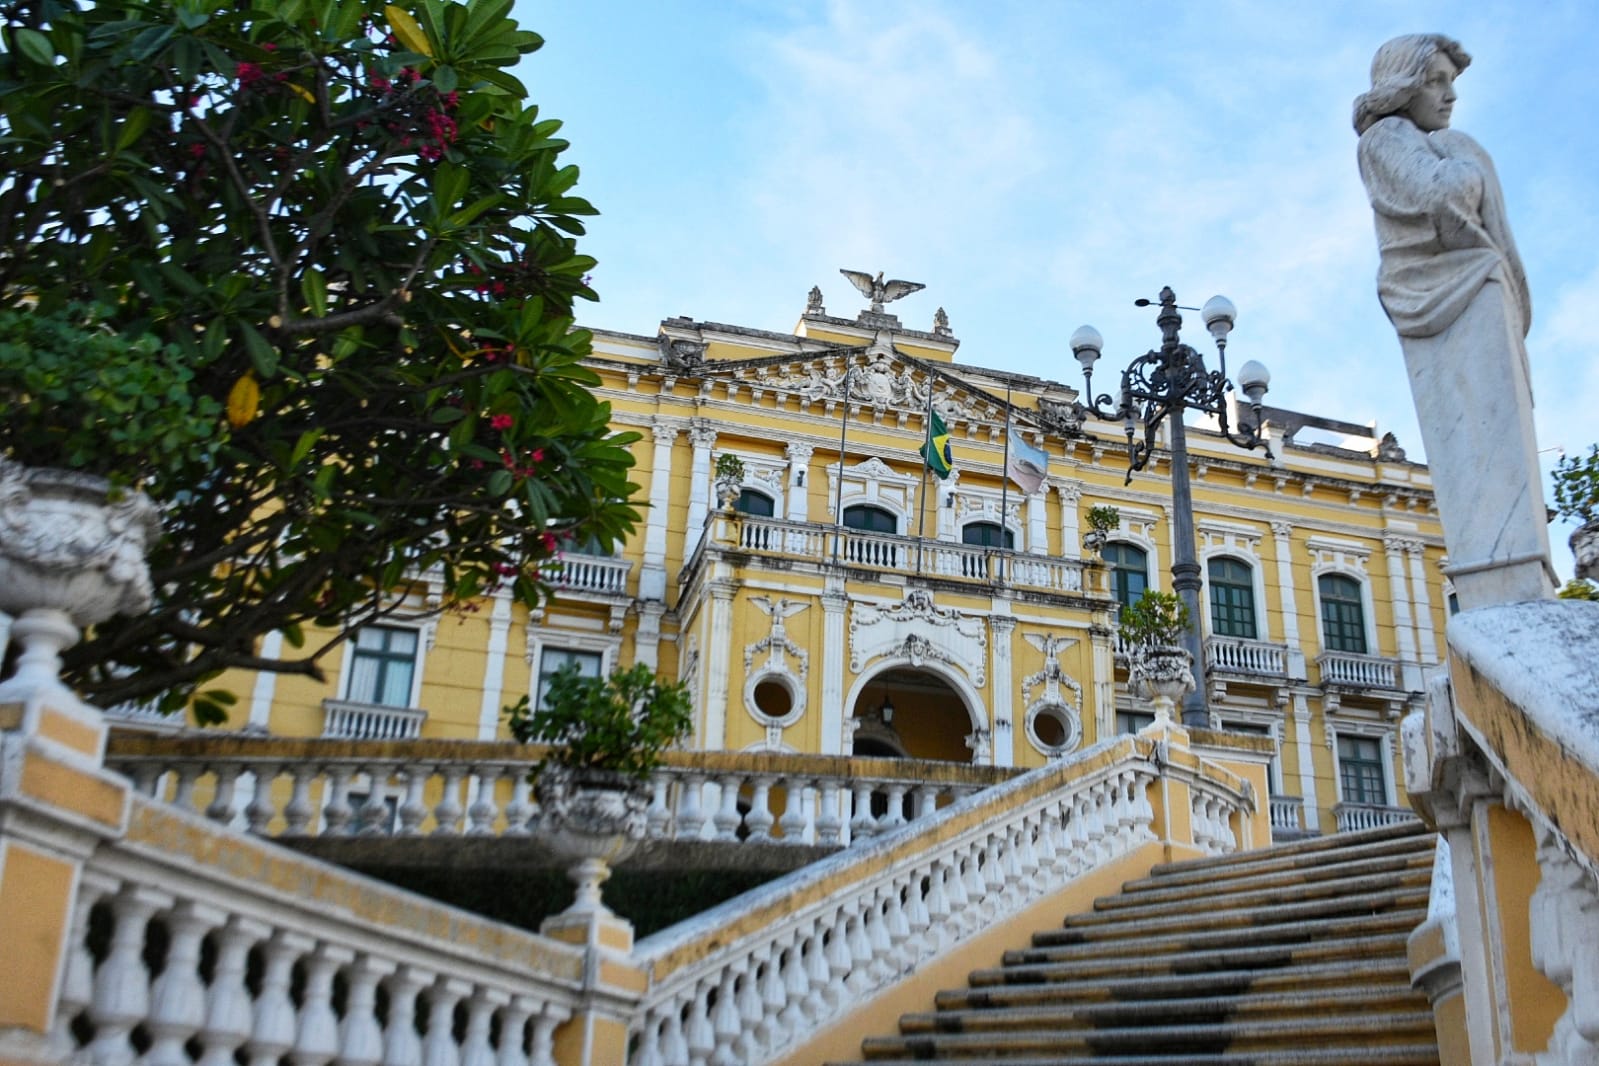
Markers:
{"x": 877, "y": 290}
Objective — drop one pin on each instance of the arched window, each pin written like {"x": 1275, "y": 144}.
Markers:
{"x": 1232, "y": 598}
{"x": 1129, "y": 571}
{"x": 865, "y": 517}
{"x": 756, "y": 503}
{"x": 1343, "y": 617}
{"x": 987, "y": 535}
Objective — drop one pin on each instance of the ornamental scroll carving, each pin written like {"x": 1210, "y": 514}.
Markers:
{"x": 920, "y": 631}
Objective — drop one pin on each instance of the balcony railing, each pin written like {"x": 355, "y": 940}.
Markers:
{"x": 1255, "y": 658}
{"x": 1357, "y": 671}
{"x": 1287, "y": 814}
{"x": 598, "y": 574}
{"x": 909, "y": 555}
{"x": 1353, "y": 817}
{"x": 346, "y": 720}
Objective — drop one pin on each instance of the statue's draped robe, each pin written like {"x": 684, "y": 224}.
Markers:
{"x": 1453, "y": 286}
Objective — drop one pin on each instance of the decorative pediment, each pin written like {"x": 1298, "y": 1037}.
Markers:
{"x": 918, "y": 631}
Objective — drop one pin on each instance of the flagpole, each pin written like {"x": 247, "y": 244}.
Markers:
{"x": 927, "y": 461}
{"x": 838, "y": 487}
{"x": 1004, "y": 487}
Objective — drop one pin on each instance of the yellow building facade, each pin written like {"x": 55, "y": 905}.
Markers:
{"x": 837, "y": 598}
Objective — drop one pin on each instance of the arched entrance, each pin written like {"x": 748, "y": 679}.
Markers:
{"x": 904, "y": 712}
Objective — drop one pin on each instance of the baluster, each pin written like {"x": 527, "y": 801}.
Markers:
{"x": 520, "y": 809}
{"x": 297, "y": 813}
{"x": 513, "y": 1030}
{"x": 401, "y": 1045}
{"x": 260, "y": 810}
{"x": 828, "y": 823}
{"x": 77, "y": 983}
{"x": 896, "y": 806}
{"x": 896, "y": 927}
{"x": 360, "y": 1035}
{"x": 820, "y": 995}
{"x": 961, "y": 908}
{"x": 727, "y": 817}
{"x": 373, "y": 819}
{"x": 913, "y": 918}
{"x": 413, "y": 810}
{"x": 755, "y": 1028}
{"x": 228, "y": 1008}
{"x": 840, "y": 960}
{"x": 447, "y": 813}
{"x": 690, "y": 815}
{"x": 476, "y": 1048}
{"x": 273, "y": 1033}
{"x": 484, "y": 809}
{"x": 878, "y": 944}
{"x": 769, "y": 1028}
{"x": 188, "y": 774}
{"x": 674, "y": 1044}
{"x": 649, "y": 1040}
{"x": 1044, "y": 849}
{"x": 1122, "y": 804}
{"x": 793, "y": 824}
{"x": 725, "y": 1021}
{"x": 121, "y": 997}
{"x": 861, "y": 824}
{"x": 544, "y": 1026}
{"x": 936, "y": 936}
{"x": 337, "y": 812}
{"x": 796, "y": 989}
{"x": 318, "y": 1039}
{"x": 177, "y": 998}
{"x": 658, "y": 818}
{"x": 220, "y": 809}
{"x": 926, "y": 799}
{"x": 863, "y": 969}
{"x": 1012, "y": 888}
{"x": 980, "y": 902}
{"x": 701, "y": 1035}
{"x": 760, "y": 818}
{"x": 145, "y": 776}
{"x": 1093, "y": 829}
{"x": 438, "y": 1046}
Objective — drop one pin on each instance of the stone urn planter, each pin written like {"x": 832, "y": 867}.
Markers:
{"x": 1164, "y": 674}
{"x": 727, "y": 492}
{"x": 590, "y": 820}
{"x": 72, "y": 553}
{"x": 1585, "y": 550}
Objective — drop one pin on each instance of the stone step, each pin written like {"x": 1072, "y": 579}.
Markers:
{"x": 1378, "y": 972}
{"x": 1208, "y": 1008}
{"x": 1405, "y": 883}
{"x": 1057, "y": 945}
{"x": 1419, "y": 1054}
{"x": 1345, "y": 843}
{"x": 1257, "y": 863}
{"x": 1269, "y": 956}
{"x": 1160, "y": 889}
{"x": 1363, "y": 1032}
{"x": 1175, "y": 920}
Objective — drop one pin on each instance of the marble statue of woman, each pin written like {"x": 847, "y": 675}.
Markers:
{"x": 1452, "y": 284}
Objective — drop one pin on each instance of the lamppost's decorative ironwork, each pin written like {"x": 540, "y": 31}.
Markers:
{"x": 1161, "y": 384}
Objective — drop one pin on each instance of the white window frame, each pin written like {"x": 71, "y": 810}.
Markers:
{"x": 424, "y": 631}
{"x": 540, "y": 640}
{"x": 1362, "y": 580}
{"x": 1382, "y": 734}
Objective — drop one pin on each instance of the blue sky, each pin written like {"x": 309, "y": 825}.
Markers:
{"x": 1039, "y": 165}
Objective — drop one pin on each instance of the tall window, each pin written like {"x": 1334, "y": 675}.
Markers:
{"x": 987, "y": 535}
{"x": 1129, "y": 571}
{"x": 756, "y": 503}
{"x": 382, "y": 666}
{"x": 864, "y": 516}
{"x": 1232, "y": 599}
{"x": 1343, "y": 619}
{"x": 1360, "y": 770}
{"x": 552, "y": 659}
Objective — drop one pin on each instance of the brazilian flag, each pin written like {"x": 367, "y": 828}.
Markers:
{"x": 936, "y": 451}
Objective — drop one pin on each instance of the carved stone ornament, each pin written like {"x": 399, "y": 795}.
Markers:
{"x": 920, "y": 631}
{"x": 65, "y": 546}
{"x": 1163, "y": 673}
{"x": 1585, "y": 550}
{"x": 590, "y": 820}
{"x": 1058, "y": 417}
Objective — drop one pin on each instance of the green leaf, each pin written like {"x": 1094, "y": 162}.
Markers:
{"x": 314, "y": 287}
{"x": 500, "y": 482}
{"x": 35, "y": 45}
{"x": 263, "y": 356}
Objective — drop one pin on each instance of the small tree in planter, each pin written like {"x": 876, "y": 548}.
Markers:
{"x": 1152, "y": 628}
{"x": 605, "y": 736}
{"x": 1576, "y": 492}
{"x": 1101, "y": 520}
{"x": 729, "y": 479}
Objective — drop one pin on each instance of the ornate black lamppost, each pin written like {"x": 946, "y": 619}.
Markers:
{"x": 1162, "y": 383}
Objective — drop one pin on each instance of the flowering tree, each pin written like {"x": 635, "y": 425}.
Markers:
{"x": 357, "y": 237}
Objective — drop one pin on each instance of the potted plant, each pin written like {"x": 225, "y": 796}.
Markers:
{"x": 91, "y": 417}
{"x": 1101, "y": 520}
{"x": 1152, "y": 628}
{"x": 605, "y": 736}
{"x": 1576, "y": 490}
{"x": 729, "y": 479}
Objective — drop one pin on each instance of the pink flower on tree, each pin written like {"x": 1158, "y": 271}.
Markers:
{"x": 502, "y": 422}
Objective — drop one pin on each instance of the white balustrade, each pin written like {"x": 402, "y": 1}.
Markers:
{"x": 1353, "y": 817}
{"x": 1357, "y": 671}
{"x": 387, "y": 793}
{"x": 575, "y": 572}
{"x": 891, "y": 904}
{"x": 198, "y": 1004}
{"x": 1287, "y": 812}
{"x": 347, "y": 720}
{"x": 1256, "y": 658}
